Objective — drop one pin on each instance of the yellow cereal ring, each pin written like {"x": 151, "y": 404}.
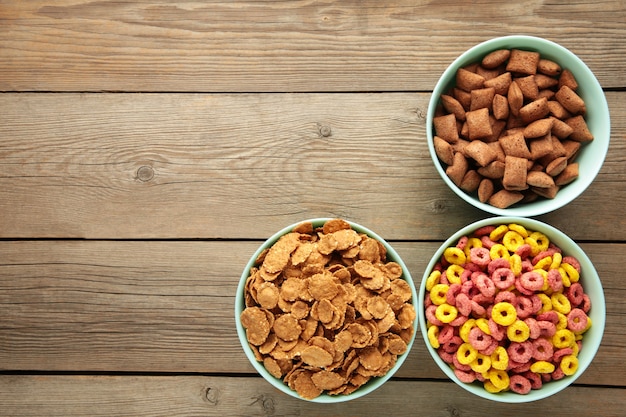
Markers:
{"x": 519, "y": 229}
{"x": 560, "y": 303}
{"x": 562, "y": 323}
{"x": 498, "y": 251}
{"x": 481, "y": 364}
{"x": 504, "y": 313}
{"x": 466, "y": 354}
{"x": 546, "y": 303}
{"x": 490, "y": 387}
{"x": 565, "y": 278}
{"x": 516, "y": 264}
{"x": 534, "y": 246}
{"x": 542, "y": 367}
{"x": 433, "y": 336}
{"x": 433, "y": 279}
{"x": 453, "y": 273}
{"x": 497, "y": 233}
{"x": 512, "y": 240}
{"x": 465, "y": 329}
{"x": 542, "y": 240}
{"x": 563, "y": 338}
{"x": 438, "y": 294}
{"x": 454, "y": 255}
{"x": 446, "y": 313}
{"x": 569, "y": 364}
{"x": 557, "y": 258}
{"x": 570, "y": 271}
{"x": 544, "y": 263}
{"x": 518, "y": 331}
{"x": 472, "y": 242}
{"x": 499, "y": 378}
{"x": 500, "y": 359}
{"x": 575, "y": 349}
{"x": 483, "y": 324}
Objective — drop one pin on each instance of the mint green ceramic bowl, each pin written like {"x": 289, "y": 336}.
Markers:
{"x": 591, "y": 156}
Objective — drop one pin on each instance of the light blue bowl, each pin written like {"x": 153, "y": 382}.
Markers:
{"x": 589, "y": 279}
{"x": 371, "y": 385}
{"x": 591, "y": 156}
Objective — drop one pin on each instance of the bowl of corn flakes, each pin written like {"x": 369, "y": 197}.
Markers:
{"x": 511, "y": 309}
{"x": 518, "y": 126}
{"x": 325, "y": 310}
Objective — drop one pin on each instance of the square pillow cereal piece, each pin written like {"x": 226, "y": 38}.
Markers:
{"x": 523, "y": 62}
{"x": 478, "y": 123}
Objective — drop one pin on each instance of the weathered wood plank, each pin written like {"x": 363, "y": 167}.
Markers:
{"x": 245, "y": 165}
{"x": 245, "y": 46}
{"x": 70, "y": 396}
{"x": 169, "y": 307}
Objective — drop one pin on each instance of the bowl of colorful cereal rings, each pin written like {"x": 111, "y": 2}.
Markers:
{"x": 511, "y": 309}
{"x": 518, "y": 126}
{"x": 325, "y": 310}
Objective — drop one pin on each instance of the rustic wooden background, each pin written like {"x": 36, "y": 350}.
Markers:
{"x": 148, "y": 147}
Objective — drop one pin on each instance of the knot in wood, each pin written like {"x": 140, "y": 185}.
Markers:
{"x": 145, "y": 173}
{"x": 325, "y": 131}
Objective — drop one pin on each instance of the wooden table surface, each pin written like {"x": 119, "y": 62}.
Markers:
{"x": 148, "y": 147}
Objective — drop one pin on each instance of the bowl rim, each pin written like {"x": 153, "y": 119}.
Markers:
{"x": 598, "y": 309}
{"x": 371, "y": 385}
{"x": 599, "y": 110}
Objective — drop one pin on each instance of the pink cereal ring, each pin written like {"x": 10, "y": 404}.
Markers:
{"x": 550, "y": 316}
{"x": 458, "y": 321}
{"x": 577, "y": 320}
{"x": 503, "y": 278}
{"x": 480, "y": 256}
{"x": 532, "y": 281}
{"x": 466, "y": 377}
{"x": 472, "y": 267}
{"x": 546, "y": 377}
{"x": 485, "y": 285}
{"x": 452, "y": 345}
{"x": 523, "y": 250}
{"x": 558, "y": 355}
{"x": 466, "y": 275}
{"x": 542, "y": 349}
{"x": 557, "y": 374}
{"x": 498, "y": 263}
{"x": 459, "y": 365}
{"x": 537, "y": 304}
{"x": 546, "y": 328}
{"x": 533, "y": 327}
{"x": 446, "y": 333}
{"x": 555, "y": 280}
{"x": 586, "y": 305}
{"x": 453, "y": 291}
{"x": 487, "y": 243}
{"x": 446, "y": 356}
{"x": 535, "y": 380}
{"x": 572, "y": 261}
{"x": 520, "y": 384}
{"x": 507, "y": 296}
{"x": 430, "y": 315}
{"x": 479, "y": 339}
{"x": 520, "y": 352}
{"x": 575, "y": 294}
{"x": 491, "y": 348}
{"x": 527, "y": 265}
{"x": 484, "y": 231}
{"x": 477, "y": 309}
{"x": 497, "y": 331}
{"x": 463, "y": 305}
{"x": 462, "y": 242}
{"x": 522, "y": 290}
{"x": 523, "y": 307}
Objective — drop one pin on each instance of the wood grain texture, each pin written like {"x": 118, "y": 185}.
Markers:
{"x": 245, "y": 165}
{"x": 69, "y": 396}
{"x": 113, "y": 306}
{"x": 250, "y": 46}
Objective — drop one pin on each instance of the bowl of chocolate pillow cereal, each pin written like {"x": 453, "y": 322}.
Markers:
{"x": 518, "y": 125}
